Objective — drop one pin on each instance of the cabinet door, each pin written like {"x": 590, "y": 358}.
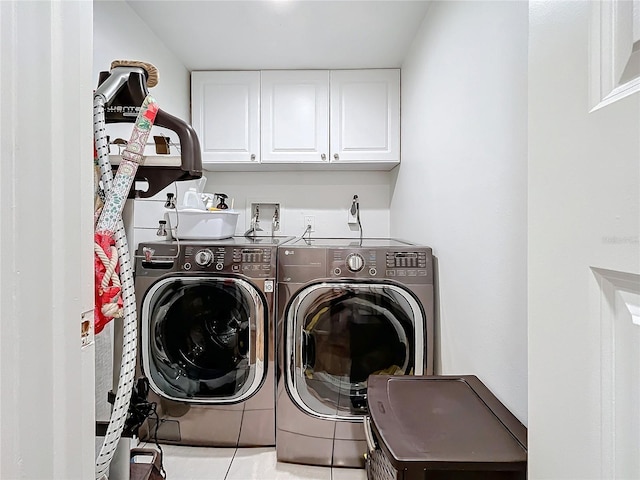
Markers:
{"x": 225, "y": 112}
{"x": 365, "y": 116}
{"x": 295, "y": 116}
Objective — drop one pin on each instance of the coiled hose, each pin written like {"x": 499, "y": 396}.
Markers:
{"x": 130, "y": 333}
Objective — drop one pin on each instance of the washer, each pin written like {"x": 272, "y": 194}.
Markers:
{"x": 206, "y": 313}
{"x": 346, "y": 309}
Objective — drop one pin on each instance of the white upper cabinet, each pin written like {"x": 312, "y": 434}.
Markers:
{"x": 292, "y": 119}
{"x": 295, "y": 116}
{"x": 225, "y": 112}
{"x": 365, "y": 116}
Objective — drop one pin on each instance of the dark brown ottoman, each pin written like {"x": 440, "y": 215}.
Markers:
{"x": 441, "y": 427}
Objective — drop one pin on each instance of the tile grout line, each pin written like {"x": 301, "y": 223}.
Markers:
{"x": 231, "y": 463}
{"x": 237, "y": 443}
{"x": 333, "y": 446}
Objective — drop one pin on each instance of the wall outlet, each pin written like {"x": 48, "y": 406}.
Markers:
{"x": 352, "y": 219}
{"x": 352, "y": 212}
{"x": 86, "y": 329}
{"x": 310, "y": 221}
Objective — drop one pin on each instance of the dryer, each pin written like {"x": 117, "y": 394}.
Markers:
{"x": 206, "y": 317}
{"x": 347, "y": 309}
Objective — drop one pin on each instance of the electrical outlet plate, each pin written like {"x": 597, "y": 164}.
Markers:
{"x": 86, "y": 329}
{"x": 352, "y": 217}
{"x": 310, "y": 220}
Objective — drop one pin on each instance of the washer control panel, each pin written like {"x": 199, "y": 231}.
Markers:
{"x": 253, "y": 262}
{"x": 414, "y": 265}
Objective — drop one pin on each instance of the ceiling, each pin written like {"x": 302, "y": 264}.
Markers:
{"x": 291, "y": 34}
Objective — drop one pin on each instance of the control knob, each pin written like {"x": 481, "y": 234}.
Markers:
{"x": 355, "y": 262}
{"x": 204, "y": 257}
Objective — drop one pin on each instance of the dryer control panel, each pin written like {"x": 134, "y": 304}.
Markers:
{"x": 406, "y": 259}
{"x": 412, "y": 266}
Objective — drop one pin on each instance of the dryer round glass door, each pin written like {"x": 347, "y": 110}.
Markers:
{"x": 337, "y": 334}
{"x": 203, "y": 339}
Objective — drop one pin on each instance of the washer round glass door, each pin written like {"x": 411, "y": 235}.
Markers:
{"x": 337, "y": 334}
{"x": 203, "y": 338}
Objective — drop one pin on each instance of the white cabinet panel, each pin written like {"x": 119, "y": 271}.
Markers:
{"x": 226, "y": 115}
{"x": 295, "y": 116}
{"x": 365, "y": 115}
{"x": 346, "y": 119}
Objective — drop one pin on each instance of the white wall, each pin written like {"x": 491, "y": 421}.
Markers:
{"x": 324, "y": 195}
{"x": 46, "y": 219}
{"x": 120, "y": 34}
{"x": 462, "y": 185}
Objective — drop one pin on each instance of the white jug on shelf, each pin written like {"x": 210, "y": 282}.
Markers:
{"x": 192, "y": 199}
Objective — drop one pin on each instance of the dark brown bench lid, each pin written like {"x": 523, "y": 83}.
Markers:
{"x": 444, "y": 422}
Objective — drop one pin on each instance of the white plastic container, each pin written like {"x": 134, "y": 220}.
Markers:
{"x": 192, "y": 199}
{"x": 192, "y": 224}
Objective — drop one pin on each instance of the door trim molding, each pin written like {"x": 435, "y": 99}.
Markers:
{"x": 611, "y": 49}
{"x": 619, "y": 303}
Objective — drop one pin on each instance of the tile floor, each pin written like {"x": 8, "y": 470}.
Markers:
{"x": 199, "y": 463}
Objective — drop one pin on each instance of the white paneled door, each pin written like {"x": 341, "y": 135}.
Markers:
{"x": 584, "y": 240}
{"x": 47, "y": 414}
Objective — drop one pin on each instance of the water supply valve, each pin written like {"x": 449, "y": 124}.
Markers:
{"x": 162, "y": 228}
{"x": 171, "y": 201}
